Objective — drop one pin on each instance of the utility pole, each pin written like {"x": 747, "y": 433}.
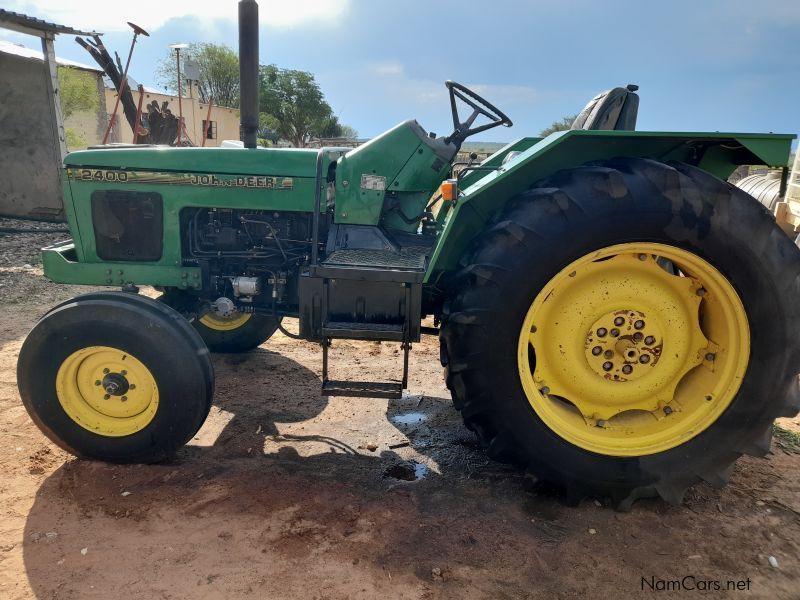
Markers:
{"x": 178, "y": 48}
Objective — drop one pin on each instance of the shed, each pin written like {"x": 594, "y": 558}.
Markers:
{"x": 32, "y": 138}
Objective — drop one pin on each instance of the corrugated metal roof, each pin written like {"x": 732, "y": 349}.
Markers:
{"x": 23, "y": 52}
{"x": 6, "y": 16}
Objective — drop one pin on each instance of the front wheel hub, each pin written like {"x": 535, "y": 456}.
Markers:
{"x": 115, "y": 384}
{"x": 107, "y": 391}
{"x": 614, "y": 351}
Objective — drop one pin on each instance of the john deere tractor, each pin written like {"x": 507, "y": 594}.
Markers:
{"x": 613, "y": 316}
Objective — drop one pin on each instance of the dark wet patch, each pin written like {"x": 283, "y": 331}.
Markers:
{"x": 407, "y": 471}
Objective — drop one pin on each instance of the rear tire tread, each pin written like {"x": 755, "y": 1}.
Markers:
{"x": 626, "y": 186}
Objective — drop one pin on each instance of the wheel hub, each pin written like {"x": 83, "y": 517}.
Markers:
{"x": 623, "y": 345}
{"x": 115, "y": 384}
{"x": 633, "y": 349}
{"x": 609, "y": 315}
{"x": 224, "y": 316}
{"x": 107, "y": 391}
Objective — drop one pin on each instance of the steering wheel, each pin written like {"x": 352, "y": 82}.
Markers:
{"x": 480, "y": 106}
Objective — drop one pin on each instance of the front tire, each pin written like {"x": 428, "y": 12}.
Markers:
{"x": 116, "y": 377}
{"x": 723, "y": 309}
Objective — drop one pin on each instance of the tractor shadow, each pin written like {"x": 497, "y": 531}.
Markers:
{"x": 281, "y": 474}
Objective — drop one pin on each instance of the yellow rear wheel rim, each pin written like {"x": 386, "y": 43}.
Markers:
{"x": 633, "y": 349}
{"x": 107, "y": 391}
{"x": 219, "y": 323}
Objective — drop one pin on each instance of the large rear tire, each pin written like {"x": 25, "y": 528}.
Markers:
{"x": 702, "y": 286}
{"x": 116, "y": 377}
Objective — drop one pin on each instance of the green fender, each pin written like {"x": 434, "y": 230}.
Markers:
{"x": 483, "y": 194}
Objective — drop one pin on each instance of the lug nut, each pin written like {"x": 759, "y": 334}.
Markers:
{"x": 132, "y": 386}
{"x": 597, "y": 350}
{"x": 608, "y": 365}
{"x": 615, "y": 332}
{"x": 667, "y": 410}
{"x": 609, "y": 353}
{"x": 105, "y": 371}
{"x": 601, "y": 423}
{"x": 710, "y": 356}
{"x": 601, "y": 332}
{"x": 619, "y": 321}
{"x": 124, "y": 398}
{"x": 701, "y": 291}
{"x": 627, "y": 369}
{"x": 649, "y": 340}
{"x": 123, "y": 372}
{"x": 107, "y": 396}
{"x": 638, "y": 336}
{"x": 98, "y": 382}
{"x": 643, "y": 257}
{"x": 644, "y": 359}
{"x": 639, "y": 324}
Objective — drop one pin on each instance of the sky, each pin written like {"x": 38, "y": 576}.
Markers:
{"x": 702, "y": 65}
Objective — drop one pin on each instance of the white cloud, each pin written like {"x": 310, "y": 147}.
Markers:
{"x": 387, "y": 69}
{"x": 102, "y": 15}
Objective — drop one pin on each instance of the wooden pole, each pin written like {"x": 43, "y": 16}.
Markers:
{"x": 121, "y": 88}
{"x": 138, "y": 123}
{"x": 53, "y": 92}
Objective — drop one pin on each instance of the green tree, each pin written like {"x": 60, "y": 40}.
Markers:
{"x": 219, "y": 73}
{"x": 348, "y": 132}
{"x": 78, "y": 91}
{"x": 296, "y": 103}
{"x": 329, "y": 127}
{"x": 561, "y": 125}
{"x": 268, "y": 128}
{"x": 74, "y": 140}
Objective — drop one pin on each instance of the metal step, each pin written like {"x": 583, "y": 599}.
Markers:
{"x": 362, "y": 389}
{"x": 409, "y": 258}
{"x": 363, "y": 331}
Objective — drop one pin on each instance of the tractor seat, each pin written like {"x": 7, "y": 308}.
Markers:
{"x": 609, "y": 110}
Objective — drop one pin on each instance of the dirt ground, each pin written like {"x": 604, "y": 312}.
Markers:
{"x": 286, "y": 494}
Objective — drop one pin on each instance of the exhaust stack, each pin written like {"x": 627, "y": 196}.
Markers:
{"x": 248, "y": 71}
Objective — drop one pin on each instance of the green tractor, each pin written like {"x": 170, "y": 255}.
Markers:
{"x": 613, "y": 316}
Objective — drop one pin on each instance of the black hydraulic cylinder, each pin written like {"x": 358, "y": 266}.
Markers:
{"x": 248, "y": 71}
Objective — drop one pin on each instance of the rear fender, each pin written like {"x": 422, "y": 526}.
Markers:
{"x": 484, "y": 194}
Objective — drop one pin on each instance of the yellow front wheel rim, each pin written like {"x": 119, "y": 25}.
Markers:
{"x": 633, "y": 349}
{"x": 107, "y": 391}
{"x": 220, "y": 323}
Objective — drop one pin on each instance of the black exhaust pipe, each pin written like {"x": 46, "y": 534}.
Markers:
{"x": 248, "y": 71}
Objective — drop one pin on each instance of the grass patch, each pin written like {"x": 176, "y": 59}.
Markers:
{"x": 788, "y": 441}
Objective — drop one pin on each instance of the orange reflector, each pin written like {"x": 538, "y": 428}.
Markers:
{"x": 450, "y": 190}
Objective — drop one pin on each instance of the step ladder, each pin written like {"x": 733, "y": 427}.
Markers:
{"x": 363, "y": 389}
{"x": 376, "y": 270}
{"x": 360, "y": 292}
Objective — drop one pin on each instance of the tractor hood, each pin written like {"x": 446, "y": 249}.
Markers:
{"x": 286, "y": 162}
